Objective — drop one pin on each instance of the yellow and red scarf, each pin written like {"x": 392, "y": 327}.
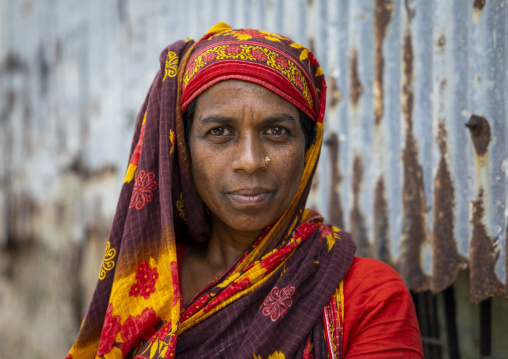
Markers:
{"x": 283, "y": 298}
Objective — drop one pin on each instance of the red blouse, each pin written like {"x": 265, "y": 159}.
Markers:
{"x": 379, "y": 315}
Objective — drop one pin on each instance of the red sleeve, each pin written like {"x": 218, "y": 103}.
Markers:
{"x": 379, "y": 315}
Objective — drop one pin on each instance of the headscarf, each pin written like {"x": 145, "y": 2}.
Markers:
{"x": 283, "y": 298}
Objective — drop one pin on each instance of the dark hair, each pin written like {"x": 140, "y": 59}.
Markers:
{"x": 308, "y": 125}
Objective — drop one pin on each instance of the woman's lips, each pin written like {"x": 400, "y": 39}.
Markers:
{"x": 249, "y": 196}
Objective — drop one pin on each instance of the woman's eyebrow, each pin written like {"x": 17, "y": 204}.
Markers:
{"x": 217, "y": 119}
{"x": 224, "y": 120}
{"x": 280, "y": 119}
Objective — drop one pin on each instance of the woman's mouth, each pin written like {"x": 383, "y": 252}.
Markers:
{"x": 249, "y": 196}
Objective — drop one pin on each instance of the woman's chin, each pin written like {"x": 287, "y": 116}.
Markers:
{"x": 247, "y": 224}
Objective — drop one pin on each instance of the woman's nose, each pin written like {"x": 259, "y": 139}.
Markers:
{"x": 249, "y": 154}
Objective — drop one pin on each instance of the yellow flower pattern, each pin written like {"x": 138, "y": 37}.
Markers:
{"x": 107, "y": 263}
{"x": 171, "y": 65}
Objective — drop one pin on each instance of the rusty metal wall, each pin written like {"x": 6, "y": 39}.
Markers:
{"x": 415, "y": 155}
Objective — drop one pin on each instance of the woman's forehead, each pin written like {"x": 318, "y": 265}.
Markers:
{"x": 231, "y": 95}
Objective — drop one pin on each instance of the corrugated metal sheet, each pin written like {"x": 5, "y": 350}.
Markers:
{"x": 415, "y": 157}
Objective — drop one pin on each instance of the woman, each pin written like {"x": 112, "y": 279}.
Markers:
{"x": 212, "y": 253}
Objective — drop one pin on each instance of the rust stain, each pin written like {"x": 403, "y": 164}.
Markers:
{"x": 334, "y": 93}
{"x": 13, "y": 63}
{"x": 44, "y": 72}
{"x": 22, "y": 216}
{"x": 27, "y": 7}
{"x": 358, "y": 226}
{"x": 414, "y": 231}
{"x": 335, "y": 211}
{"x": 381, "y": 224}
{"x": 356, "y": 89}
{"x": 443, "y": 84}
{"x": 478, "y": 5}
{"x": 447, "y": 261}
{"x": 480, "y": 133}
{"x": 382, "y": 16}
{"x": 80, "y": 168}
{"x": 484, "y": 255}
{"x": 9, "y": 106}
{"x": 441, "y": 43}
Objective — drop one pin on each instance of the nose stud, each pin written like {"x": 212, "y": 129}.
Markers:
{"x": 267, "y": 160}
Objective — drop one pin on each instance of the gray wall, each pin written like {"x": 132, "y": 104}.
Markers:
{"x": 399, "y": 169}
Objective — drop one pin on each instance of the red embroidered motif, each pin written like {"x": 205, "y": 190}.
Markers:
{"x": 146, "y": 276}
{"x": 278, "y": 302}
{"x": 109, "y": 331}
{"x": 140, "y": 327}
{"x": 233, "y": 50}
{"x": 162, "y": 332}
{"x": 259, "y": 55}
{"x": 143, "y": 189}
{"x": 282, "y": 62}
{"x": 210, "y": 56}
{"x": 299, "y": 82}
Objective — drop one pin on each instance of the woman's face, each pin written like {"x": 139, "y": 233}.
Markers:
{"x": 236, "y": 125}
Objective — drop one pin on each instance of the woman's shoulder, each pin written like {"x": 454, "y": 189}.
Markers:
{"x": 379, "y": 313}
{"x": 372, "y": 276}
{"x": 363, "y": 267}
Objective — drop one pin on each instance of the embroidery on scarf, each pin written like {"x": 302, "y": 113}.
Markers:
{"x": 278, "y": 302}
{"x": 146, "y": 277}
{"x": 107, "y": 262}
{"x": 144, "y": 186}
{"x": 181, "y": 208}
{"x": 252, "y": 53}
{"x": 171, "y": 65}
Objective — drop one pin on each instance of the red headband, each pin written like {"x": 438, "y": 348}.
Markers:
{"x": 272, "y": 61}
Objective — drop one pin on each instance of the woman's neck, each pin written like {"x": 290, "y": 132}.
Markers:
{"x": 202, "y": 266}
{"x": 226, "y": 244}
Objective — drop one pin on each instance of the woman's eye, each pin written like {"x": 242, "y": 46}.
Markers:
{"x": 220, "y": 131}
{"x": 276, "y": 131}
